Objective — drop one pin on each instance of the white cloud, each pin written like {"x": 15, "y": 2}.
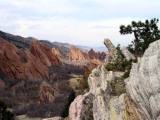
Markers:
{"x": 69, "y": 21}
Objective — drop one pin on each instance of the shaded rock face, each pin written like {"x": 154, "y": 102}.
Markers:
{"x": 44, "y": 54}
{"x": 26, "y": 64}
{"x": 96, "y": 55}
{"x": 144, "y": 83}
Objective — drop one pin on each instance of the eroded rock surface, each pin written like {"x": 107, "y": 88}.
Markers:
{"x": 143, "y": 84}
{"x": 81, "y": 108}
{"x": 105, "y": 106}
{"x": 76, "y": 54}
{"x": 112, "y": 51}
{"x": 127, "y": 54}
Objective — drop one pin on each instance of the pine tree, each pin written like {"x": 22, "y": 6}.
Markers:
{"x": 144, "y": 33}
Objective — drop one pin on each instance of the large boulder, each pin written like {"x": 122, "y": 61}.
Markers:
{"x": 143, "y": 84}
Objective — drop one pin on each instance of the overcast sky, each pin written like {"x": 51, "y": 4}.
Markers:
{"x": 81, "y": 22}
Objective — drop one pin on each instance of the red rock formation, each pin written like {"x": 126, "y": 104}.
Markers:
{"x": 46, "y": 93}
{"x": 56, "y": 52}
{"x": 43, "y": 53}
{"x": 26, "y": 64}
{"x": 96, "y": 55}
{"x": 90, "y": 60}
{"x": 76, "y": 54}
{"x": 2, "y": 84}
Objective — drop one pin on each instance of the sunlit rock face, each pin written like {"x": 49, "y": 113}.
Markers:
{"x": 76, "y": 54}
{"x": 143, "y": 84}
{"x": 57, "y": 52}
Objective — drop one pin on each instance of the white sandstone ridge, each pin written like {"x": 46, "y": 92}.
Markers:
{"x": 139, "y": 101}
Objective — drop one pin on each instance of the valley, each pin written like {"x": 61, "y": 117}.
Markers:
{"x": 40, "y": 78}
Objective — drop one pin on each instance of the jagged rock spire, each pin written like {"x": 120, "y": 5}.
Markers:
{"x": 109, "y": 45}
{"x": 112, "y": 51}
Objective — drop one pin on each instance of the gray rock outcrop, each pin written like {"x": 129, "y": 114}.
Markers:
{"x": 112, "y": 51}
{"x": 139, "y": 102}
{"x": 105, "y": 106}
{"x": 81, "y": 108}
{"x": 143, "y": 84}
{"x": 128, "y": 55}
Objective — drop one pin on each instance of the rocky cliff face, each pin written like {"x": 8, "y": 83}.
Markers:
{"x": 137, "y": 100}
{"x": 144, "y": 83}
{"x": 76, "y": 54}
{"x": 57, "y": 52}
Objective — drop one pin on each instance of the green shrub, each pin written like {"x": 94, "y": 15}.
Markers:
{"x": 117, "y": 86}
{"x": 4, "y": 113}
{"x": 144, "y": 33}
{"x": 120, "y": 63}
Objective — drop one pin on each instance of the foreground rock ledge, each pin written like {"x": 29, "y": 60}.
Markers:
{"x": 140, "y": 102}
